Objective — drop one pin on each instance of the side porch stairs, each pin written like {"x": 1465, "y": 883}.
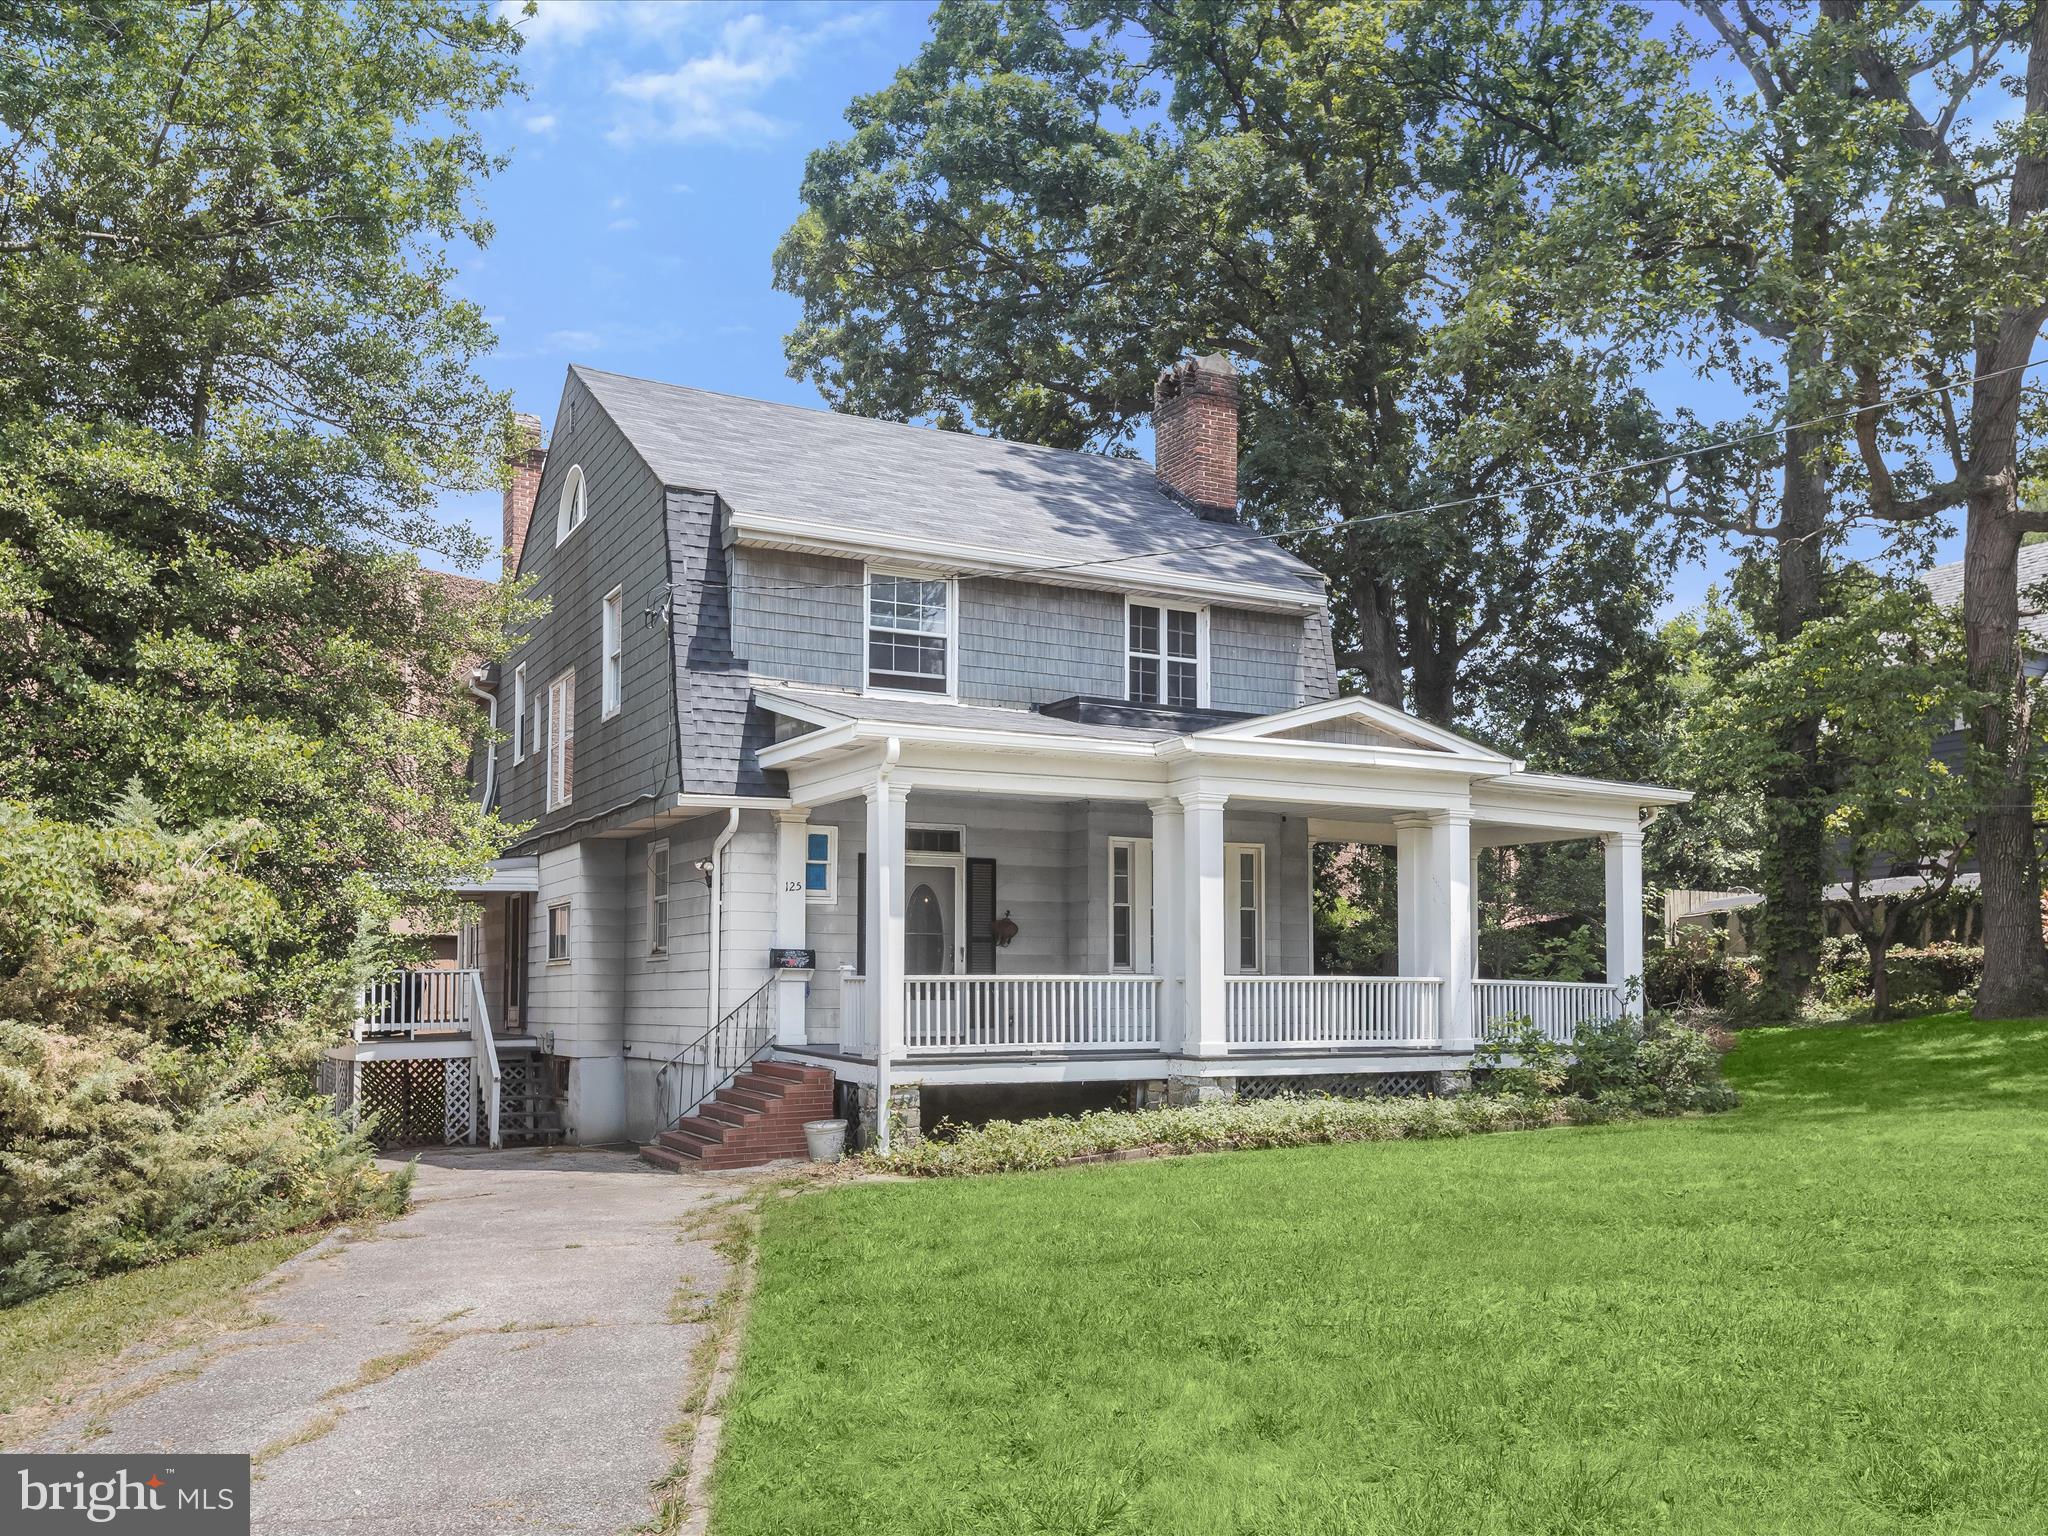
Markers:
{"x": 756, "y": 1118}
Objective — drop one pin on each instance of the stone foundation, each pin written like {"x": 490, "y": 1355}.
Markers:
{"x": 1182, "y": 1091}
{"x": 1149, "y": 1094}
{"x": 906, "y": 1114}
{"x": 1450, "y": 1085}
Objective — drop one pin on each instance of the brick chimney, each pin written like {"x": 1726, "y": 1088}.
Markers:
{"x": 523, "y": 487}
{"x": 1194, "y": 432}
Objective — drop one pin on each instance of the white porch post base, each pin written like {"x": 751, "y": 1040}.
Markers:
{"x": 792, "y": 829}
{"x": 1204, "y": 1032}
{"x": 1625, "y": 913}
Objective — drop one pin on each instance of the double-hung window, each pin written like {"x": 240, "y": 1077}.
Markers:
{"x": 657, "y": 897}
{"x": 561, "y": 740}
{"x": 614, "y": 650}
{"x": 910, "y": 633}
{"x": 519, "y": 713}
{"x": 821, "y": 850}
{"x": 558, "y": 933}
{"x": 1165, "y": 655}
{"x": 1130, "y": 904}
{"x": 1244, "y": 893}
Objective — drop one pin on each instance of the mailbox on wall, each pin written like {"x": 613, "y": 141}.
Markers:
{"x": 792, "y": 959}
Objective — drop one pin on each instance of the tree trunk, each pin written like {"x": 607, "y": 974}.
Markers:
{"x": 1794, "y": 856}
{"x": 1880, "y": 979}
{"x": 1378, "y": 654}
{"x": 2015, "y": 981}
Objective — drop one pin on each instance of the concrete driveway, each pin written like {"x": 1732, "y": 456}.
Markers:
{"x": 509, "y": 1357}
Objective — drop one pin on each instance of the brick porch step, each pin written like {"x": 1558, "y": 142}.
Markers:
{"x": 756, "y": 1118}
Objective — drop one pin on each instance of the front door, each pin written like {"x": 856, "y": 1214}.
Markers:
{"x": 930, "y": 922}
{"x": 518, "y": 913}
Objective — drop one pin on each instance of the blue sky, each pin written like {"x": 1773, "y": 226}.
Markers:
{"x": 655, "y": 162}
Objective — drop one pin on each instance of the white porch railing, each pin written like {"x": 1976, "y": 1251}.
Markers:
{"x": 1306, "y": 1012}
{"x": 1557, "y": 1008}
{"x": 856, "y": 1019}
{"x": 944, "y": 1014}
{"x": 440, "y": 1002}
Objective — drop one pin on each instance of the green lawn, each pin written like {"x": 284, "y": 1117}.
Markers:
{"x": 1825, "y": 1312}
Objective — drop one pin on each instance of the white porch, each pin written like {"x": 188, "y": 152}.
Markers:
{"x": 1207, "y": 993}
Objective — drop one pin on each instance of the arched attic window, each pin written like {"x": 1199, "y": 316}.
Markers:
{"x": 571, "y": 510}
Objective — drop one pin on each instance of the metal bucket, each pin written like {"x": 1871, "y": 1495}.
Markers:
{"x": 825, "y": 1140}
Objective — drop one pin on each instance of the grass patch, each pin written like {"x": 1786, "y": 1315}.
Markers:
{"x": 55, "y": 1346}
{"x": 1824, "y": 1312}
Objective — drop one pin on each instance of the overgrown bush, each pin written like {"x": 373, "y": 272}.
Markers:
{"x": 1693, "y": 970}
{"x": 1938, "y": 976}
{"x": 151, "y": 1104}
{"x": 1653, "y": 1065}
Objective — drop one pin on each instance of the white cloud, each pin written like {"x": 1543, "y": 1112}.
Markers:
{"x": 555, "y": 22}
{"x": 617, "y": 202}
{"x": 713, "y": 94}
{"x": 541, "y": 122}
{"x": 574, "y": 341}
{"x": 622, "y": 225}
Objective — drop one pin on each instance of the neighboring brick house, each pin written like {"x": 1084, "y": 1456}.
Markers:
{"x": 936, "y": 767}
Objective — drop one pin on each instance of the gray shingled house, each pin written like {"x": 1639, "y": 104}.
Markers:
{"x": 872, "y": 765}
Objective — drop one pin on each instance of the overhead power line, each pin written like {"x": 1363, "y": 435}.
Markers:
{"x": 1250, "y": 537}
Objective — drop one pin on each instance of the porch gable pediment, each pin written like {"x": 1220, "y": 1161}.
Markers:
{"x": 1357, "y": 722}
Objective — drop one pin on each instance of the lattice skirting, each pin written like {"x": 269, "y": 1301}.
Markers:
{"x": 336, "y": 1082}
{"x": 1340, "y": 1085}
{"x": 434, "y": 1100}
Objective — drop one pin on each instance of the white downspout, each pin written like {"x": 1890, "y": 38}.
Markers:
{"x": 491, "y": 761}
{"x": 718, "y": 846}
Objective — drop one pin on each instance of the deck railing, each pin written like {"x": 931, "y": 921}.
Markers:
{"x": 1308, "y": 1012}
{"x": 944, "y": 1014}
{"x": 1557, "y": 1008}
{"x": 407, "y": 1002}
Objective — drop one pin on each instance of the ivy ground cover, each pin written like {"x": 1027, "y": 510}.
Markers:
{"x": 1827, "y": 1311}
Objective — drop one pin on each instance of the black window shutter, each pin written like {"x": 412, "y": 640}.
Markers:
{"x": 981, "y": 917}
{"x": 860, "y": 914}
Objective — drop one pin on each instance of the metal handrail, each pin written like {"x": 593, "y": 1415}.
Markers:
{"x": 715, "y": 1057}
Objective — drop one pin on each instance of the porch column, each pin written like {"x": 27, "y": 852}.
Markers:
{"x": 886, "y": 801}
{"x": 1411, "y": 868}
{"x": 1202, "y": 1032}
{"x": 1625, "y": 912}
{"x": 1452, "y": 921}
{"x": 792, "y": 904}
{"x": 1169, "y": 920}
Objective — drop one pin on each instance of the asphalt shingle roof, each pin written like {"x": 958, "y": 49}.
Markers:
{"x": 1945, "y": 583}
{"x": 896, "y": 481}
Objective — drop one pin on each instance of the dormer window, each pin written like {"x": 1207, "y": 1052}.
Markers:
{"x": 571, "y": 509}
{"x": 1164, "y": 664}
{"x": 910, "y": 633}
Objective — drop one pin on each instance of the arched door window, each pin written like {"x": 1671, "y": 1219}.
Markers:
{"x": 924, "y": 934}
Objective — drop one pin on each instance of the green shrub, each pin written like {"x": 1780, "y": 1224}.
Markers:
{"x": 150, "y": 1106}
{"x": 1008, "y": 1146}
{"x": 1652, "y": 1065}
{"x": 1936, "y": 977}
{"x": 1694, "y": 970}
